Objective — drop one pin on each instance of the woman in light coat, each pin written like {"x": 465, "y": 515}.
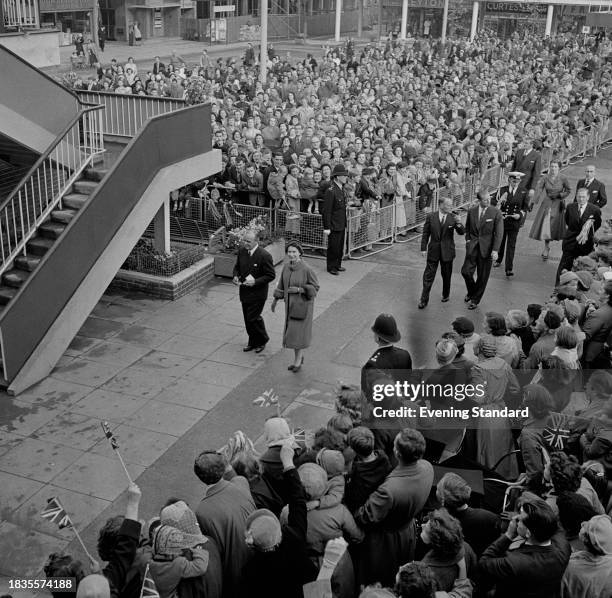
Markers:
{"x": 297, "y": 287}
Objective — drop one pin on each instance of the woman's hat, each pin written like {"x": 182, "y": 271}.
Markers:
{"x": 265, "y": 530}
{"x": 314, "y": 480}
{"x": 181, "y": 517}
{"x": 170, "y": 542}
{"x": 516, "y": 174}
{"x": 340, "y": 170}
{"x": 385, "y": 327}
{"x": 598, "y": 530}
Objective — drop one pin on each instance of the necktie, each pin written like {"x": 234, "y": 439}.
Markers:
{"x": 581, "y": 211}
{"x": 442, "y": 219}
{"x": 480, "y": 214}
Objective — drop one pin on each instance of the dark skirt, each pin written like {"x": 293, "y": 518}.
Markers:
{"x": 541, "y": 230}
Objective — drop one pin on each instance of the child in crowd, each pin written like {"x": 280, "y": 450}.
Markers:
{"x": 333, "y": 464}
{"x": 308, "y": 190}
{"x": 176, "y": 556}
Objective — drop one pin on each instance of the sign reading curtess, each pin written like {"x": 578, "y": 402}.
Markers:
{"x": 523, "y": 8}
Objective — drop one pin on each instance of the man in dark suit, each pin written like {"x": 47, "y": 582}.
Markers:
{"x": 513, "y": 202}
{"x": 578, "y": 239}
{"x": 387, "y": 359}
{"x": 529, "y": 162}
{"x": 484, "y": 230}
{"x": 253, "y": 271}
{"x": 596, "y": 189}
{"x": 438, "y": 245}
{"x": 334, "y": 219}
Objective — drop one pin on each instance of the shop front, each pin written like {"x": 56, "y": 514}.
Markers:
{"x": 70, "y": 17}
{"x": 507, "y": 18}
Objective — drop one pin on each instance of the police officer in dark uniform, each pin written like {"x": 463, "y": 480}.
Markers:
{"x": 513, "y": 202}
{"x": 333, "y": 213}
{"x": 387, "y": 359}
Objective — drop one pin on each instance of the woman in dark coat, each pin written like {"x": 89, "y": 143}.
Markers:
{"x": 388, "y": 516}
{"x": 297, "y": 286}
{"x": 548, "y": 224}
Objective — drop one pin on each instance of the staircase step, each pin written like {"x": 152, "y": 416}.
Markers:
{"x": 95, "y": 174}
{"x": 15, "y": 278}
{"x": 85, "y": 187}
{"x": 6, "y": 294}
{"x": 51, "y": 230}
{"x": 75, "y": 201}
{"x": 27, "y": 262}
{"x": 63, "y": 216}
{"x": 39, "y": 245}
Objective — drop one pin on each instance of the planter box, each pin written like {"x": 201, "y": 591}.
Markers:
{"x": 224, "y": 262}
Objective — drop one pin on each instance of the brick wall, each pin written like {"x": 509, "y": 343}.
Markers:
{"x": 171, "y": 288}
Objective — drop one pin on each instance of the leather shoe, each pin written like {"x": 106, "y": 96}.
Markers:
{"x": 497, "y": 264}
{"x": 444, "y": 299}
{"x": 467, "y": 298}
{"x": 422, "y": 305}
{"x": 509, "y": 273}
{"x": 334, "y": 272}
{"x": 259, "y": 349}
{"x": 472, "y": 305}
{"x": 248, "y": 348}
{"x": 341, "y": 269}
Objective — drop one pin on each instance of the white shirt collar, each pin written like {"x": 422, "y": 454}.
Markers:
{"x": 252, "y": 251}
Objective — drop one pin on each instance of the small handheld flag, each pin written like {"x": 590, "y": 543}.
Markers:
{"x": 55, "y": 513}
{"x": 110, "y": 436}
{"x": 557, "y": 432}
{"x": 149, "y": 590}
{"x": 115, "y": 446}
{"x": 268, "y": 398}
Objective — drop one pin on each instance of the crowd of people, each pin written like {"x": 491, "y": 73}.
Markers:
{"x": 359, "y": 509}
{"x": 522, "y": 506}
{"x": 403, "y": 118}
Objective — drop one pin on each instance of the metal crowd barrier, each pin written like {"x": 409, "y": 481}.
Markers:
{"x": 372, "y": 230}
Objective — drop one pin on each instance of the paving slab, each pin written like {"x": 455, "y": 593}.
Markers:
{"x": 80, "y": 344}
{"x": 75, "y": 430}
{"x": 100, "y": 328}
{"x": 140, "y": 383}
{"x": 108, "y": 405}
{"x": 167, "y": 418}
{"x": 193, "y": 393}
{"x": 140, "y": 446}
{"x": 24, "y": 552}
{"x": 53, "y": 393}
{"x": 191, "y": 346}
{"x": 80, "y": 507}
{"x": 97, "y": 475}
{"x": 87, "y": 372}
{"x": 141, "y": 335}
{"x": 40, "y": 461}
{"x": 119, "y": 312}
{"x": 23, "y": 418}
{"x": 168, "y": 363}
{"x": 114, "y": 352}
{"x": 14, "y": 491}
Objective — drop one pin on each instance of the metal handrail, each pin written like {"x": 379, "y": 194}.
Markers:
{"x": 125, "y": 114}
{"x": 42, "y": 187}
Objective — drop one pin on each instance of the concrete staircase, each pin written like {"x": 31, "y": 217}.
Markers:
{"x": 48, "y": 232}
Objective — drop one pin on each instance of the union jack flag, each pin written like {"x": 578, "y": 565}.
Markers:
{"x": 55, "y": 513}
{"x": 557, "y": 432}
{"x": 111, "y": 438}
{"x": 266, "y": 399}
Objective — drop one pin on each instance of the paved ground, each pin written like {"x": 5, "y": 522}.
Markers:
{"x": 171, "y": 379}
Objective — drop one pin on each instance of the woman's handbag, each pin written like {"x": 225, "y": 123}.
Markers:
{"x": 298, "y": 307}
